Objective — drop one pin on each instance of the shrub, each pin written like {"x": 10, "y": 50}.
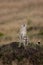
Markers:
{"x": 1, "y": 34}
{"x": 40, "y": 32}
{"x": 30, "y": 28}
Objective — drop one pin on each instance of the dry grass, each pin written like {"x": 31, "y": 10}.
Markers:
{"x": 15, "y": 12}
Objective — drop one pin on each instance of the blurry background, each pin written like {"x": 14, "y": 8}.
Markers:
{"x": 13, "y": 13}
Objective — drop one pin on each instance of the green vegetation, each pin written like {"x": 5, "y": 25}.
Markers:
{"x": 29, "y": 21}
{"x": 40, "y": 32}
{"x": 1, "y": 34}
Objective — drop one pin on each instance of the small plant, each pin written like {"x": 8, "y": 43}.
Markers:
{"x": 1, "y": 34}
{"x": 40, "y": 32}
{"x": 29, "y": 21}
{"x": 30, "y": 28}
